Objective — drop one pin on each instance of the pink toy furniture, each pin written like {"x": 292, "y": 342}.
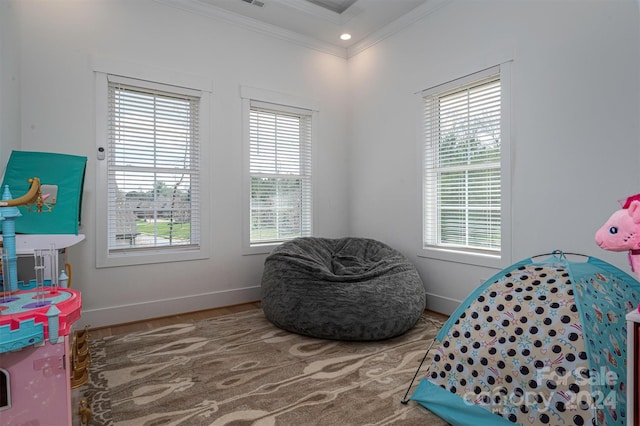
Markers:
{"x": 35, "y": 388}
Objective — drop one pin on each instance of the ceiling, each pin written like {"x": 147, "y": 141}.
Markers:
{"x": 317, "y": 23}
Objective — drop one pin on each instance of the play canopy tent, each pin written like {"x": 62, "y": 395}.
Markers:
{"x": 541, "y": 342}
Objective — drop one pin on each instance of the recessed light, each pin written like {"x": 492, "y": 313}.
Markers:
{"x": 345, "y": 36}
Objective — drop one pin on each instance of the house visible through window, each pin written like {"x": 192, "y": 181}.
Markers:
{"x": 152, "y": 167}
{"x": 280, "y": 173}
{"x": 463, "y": 165}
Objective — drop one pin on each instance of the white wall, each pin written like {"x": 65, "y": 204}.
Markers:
{"x": 575, "y": 127}
{"x": 9, "y": 82}
{"x": 58, "y": 39}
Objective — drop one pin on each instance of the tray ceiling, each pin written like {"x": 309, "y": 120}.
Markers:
{"x": 318, "y": 23}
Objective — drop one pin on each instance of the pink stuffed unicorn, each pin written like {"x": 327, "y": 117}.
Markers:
{"x": 622, "y": 232}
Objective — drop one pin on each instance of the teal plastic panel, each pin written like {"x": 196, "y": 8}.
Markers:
{"x": 65, "y": 171}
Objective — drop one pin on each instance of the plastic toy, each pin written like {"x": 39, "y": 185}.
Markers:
{"x": 35, "y": 324}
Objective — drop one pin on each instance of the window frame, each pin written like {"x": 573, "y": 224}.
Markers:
{"x": 285, "y": 103}
{"x": 158, "y": 78}
{"x": 500, "y": 258}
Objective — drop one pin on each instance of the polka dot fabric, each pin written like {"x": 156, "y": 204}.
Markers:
{"x": 541, "y": 345}
{"x": 602, "y": 300}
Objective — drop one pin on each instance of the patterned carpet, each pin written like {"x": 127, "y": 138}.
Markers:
{"x": 239, "y": 369}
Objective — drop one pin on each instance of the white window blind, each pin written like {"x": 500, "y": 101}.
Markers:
{"x": 152, "y": 167}
{"x": 462, "y": 165}
{"x": 280, "y": 172}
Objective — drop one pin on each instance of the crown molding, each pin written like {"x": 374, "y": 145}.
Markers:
{"x": 397, "y": 26}
{"x": 206, "y": 9}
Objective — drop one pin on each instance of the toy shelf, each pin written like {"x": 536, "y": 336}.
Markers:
{"x": 26, "y": 243}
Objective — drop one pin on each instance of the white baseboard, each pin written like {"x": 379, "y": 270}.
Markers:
{"x": 442, "y": 304}
{"x": 103, "y": 317}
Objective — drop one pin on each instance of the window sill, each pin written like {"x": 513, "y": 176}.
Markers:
{"x": 495, "y": 261}
{"x": 259, "y": 249}
{"x": 150, "y": 257}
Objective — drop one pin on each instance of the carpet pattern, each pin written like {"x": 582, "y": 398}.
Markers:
{"x": 239, "y": 369}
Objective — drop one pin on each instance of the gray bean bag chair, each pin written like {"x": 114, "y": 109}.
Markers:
{"x": 344, "y": 289}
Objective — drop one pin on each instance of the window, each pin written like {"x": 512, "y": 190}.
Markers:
{"x": 280, "y": 167}
{"x": 149, "y": 173}
{"x": 279, "y": 142}
{"x": 464, "y": 165}
{"x": 152, "y": 162}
